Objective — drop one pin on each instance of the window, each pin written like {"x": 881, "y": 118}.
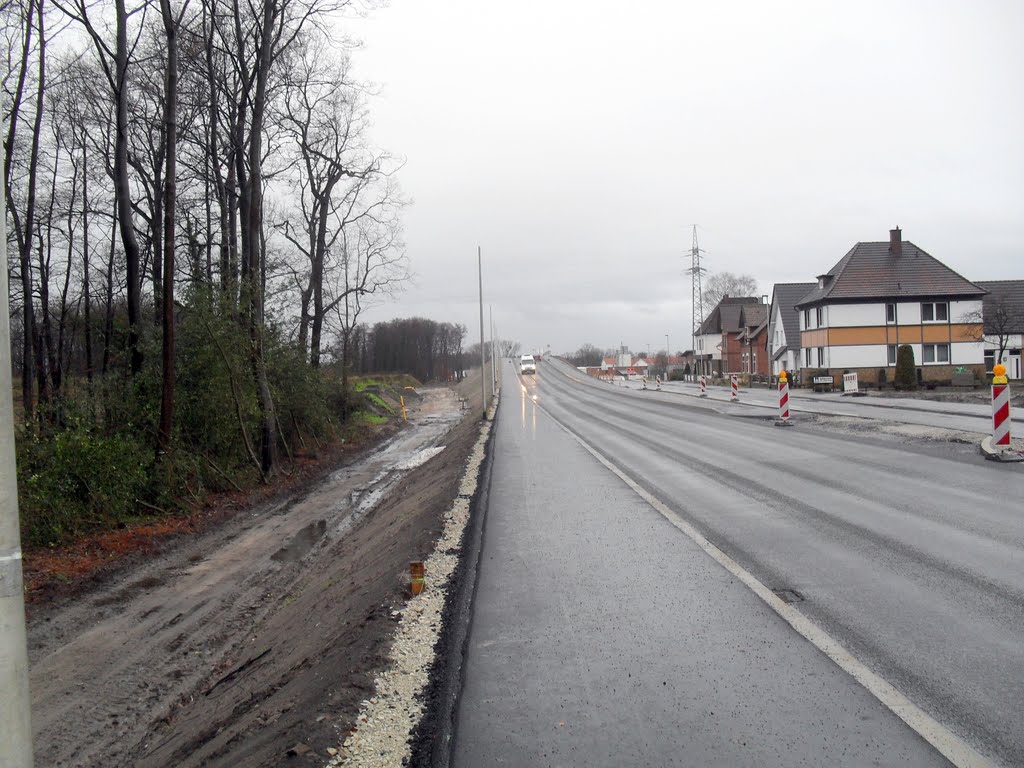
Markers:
{"x": 892, "y": 354}
{"x": 807, "y": 358}
{"x": 817, "y": 316}
{"x": 935, "y": 312}
{"x": 821, "y": 356}
{"x": 935, "y": 353}
{"x": 890, "y": 313}
{"x": 807, "y": 318}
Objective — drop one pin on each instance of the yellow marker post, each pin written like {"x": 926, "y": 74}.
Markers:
{"x": 417, "y": 577}
{"x": 401, "y": 399}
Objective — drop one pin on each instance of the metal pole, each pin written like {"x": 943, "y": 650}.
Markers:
{"x": 494, "y": 373}
{"x": 483, "y": 368}
{"x": 15, "y": 728}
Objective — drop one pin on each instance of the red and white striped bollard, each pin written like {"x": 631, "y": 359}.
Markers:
{"x": 783, "y": 420}
{"x": 735, "y": 388}
{"x": 703, "y": 386}
{"x": 1000, "y": 408}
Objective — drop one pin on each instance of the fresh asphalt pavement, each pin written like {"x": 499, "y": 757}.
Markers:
{"x": 602, "y": 635}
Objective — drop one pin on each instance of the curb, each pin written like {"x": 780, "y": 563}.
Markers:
{"x": 992, "y": 453}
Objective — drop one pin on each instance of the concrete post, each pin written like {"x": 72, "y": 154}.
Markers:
{"x": 15, "y": 729}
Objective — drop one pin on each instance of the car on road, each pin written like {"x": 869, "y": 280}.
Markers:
{"x": 527, "y": 364}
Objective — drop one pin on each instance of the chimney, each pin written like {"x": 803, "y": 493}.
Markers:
{"x": 896, "y": 242}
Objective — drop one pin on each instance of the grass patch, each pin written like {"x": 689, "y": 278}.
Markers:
{"x": 367, "y": 418}
{"x": 379, "y": 402}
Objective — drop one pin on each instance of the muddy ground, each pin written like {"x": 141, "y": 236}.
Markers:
{"x": 253, "y": 643}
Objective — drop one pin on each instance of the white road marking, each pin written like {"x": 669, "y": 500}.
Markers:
{"x": 951, "y": 746}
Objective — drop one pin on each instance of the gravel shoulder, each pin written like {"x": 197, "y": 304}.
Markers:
{"x": 253, "y": 643}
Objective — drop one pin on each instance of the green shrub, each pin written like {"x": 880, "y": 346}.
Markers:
{"x": 78, "y": 481}
{"x": 906, "y": 371}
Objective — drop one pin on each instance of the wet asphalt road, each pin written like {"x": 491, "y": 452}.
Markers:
{"x": 965, "y": 417}
{"x": 601, "y": 635}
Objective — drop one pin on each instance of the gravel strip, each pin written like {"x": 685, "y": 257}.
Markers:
{"x": 380, "y": 737}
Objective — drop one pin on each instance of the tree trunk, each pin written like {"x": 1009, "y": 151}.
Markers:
{"x": 24, "y": 231}
{"x": 169, "y": 194}
{"x": 108, "y": 321}
{"x": 252, "y": 250}
{"x": 122, "y": 188}
{"x": 86, "y": 308}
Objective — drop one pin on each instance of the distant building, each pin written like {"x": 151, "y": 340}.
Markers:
{"x": 718, "y": 351}
{"x": 750, "y": 353}
{"x": 882, "y": 295}
{"x": 783, "y": 338}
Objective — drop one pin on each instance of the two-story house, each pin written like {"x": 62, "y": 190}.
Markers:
{"x": 718, "y": 351}
{"x": 784, "y": 326}
{"x": 882, "y": 295}
{"x": 753, "y": 357}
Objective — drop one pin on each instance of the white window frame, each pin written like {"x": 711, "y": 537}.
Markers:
{"x": 934, "y": 349}
{"x": 895, "y": 316}
{"x": 934, "y": 307}
{"x": 807, "y": 357}
{"x": 807, "y": 319}
{"x": 821, "y": 357}
{"x": 892, "y": 353}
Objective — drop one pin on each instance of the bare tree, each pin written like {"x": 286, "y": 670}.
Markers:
{"x": 722, "y": 284}
{"x": 1000, "y": 318}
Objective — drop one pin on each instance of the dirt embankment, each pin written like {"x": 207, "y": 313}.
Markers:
{"x": 259, "y": 635}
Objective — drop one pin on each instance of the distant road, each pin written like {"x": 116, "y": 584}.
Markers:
{"x": 911, "y": 557}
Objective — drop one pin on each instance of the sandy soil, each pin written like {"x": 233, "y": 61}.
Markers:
{"x": 255, "y": 642}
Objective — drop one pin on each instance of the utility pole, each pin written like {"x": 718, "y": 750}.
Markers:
{"x": 697, "y": 294}
{"x": 494, "y": 372}
{"x": 483, "y": 368}
{"x": 15, "y": 728}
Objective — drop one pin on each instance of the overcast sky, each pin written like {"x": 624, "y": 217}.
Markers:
{"x": 577, "y": 141}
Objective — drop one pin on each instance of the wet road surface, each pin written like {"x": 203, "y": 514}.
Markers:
{"x": 601, "y": 635}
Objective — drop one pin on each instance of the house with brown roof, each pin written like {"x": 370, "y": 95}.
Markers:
{"x": 1003, "y": 311}
{"x": 882, "y": 295}
{"x": 750, "y": 354}
{"x": 718, "y": 349}
{"x": 784, "y": 326}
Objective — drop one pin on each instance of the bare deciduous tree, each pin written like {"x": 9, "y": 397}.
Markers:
{"x": 722, "y": 284}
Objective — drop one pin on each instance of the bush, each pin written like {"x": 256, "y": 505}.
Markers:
{"x": 906, "y": 371}
{"x": 78, "y": 481}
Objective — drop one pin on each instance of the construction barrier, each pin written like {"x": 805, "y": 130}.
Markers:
{"x": 657, "y": 381}
{"x": 1000, "y": 408}
{"x": 703, "y": 386}
{"x": 735, "y": 388}
{"x": 783, "y": 420}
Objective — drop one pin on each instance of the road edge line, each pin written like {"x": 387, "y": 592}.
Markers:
{"x": 948, "y": 744}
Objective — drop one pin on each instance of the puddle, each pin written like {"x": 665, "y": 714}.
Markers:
{"x": 301, "y": 543}
{"x": 420, "y": 457}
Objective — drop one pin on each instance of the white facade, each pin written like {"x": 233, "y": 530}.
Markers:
{"x": 1012, "y": 354}
{"x": 878, "y": 356}
{"x": 710, "y": 344}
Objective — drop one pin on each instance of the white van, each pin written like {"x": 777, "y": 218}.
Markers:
{"x": 527, "y": 364}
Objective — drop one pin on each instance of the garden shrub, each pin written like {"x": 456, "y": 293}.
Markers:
{"x": 906, "y": 371}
